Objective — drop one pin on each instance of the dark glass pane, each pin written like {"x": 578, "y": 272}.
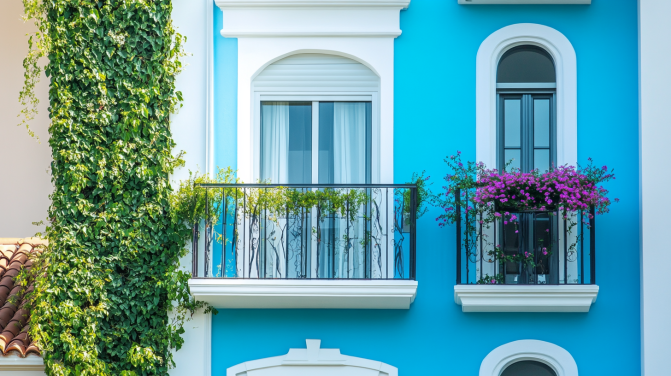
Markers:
{"x": 300, "y": 143}
{"x": 286, "y": 142}
{"x": 512, "y": 113}
{"x": 514, "y": 155}
{"x": 542, "y": 160}
{"x": 526, "y": 64}
{"x": 326, "y": 143}
{"x": 528, "y": 368}
{"x": 542, "y": 123}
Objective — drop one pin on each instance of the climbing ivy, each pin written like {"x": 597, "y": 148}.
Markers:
{"x": 110, "y": 298}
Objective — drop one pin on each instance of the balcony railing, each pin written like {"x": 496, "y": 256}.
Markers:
{"x": 307, "y": 231}
{"x": 536, "y": 248}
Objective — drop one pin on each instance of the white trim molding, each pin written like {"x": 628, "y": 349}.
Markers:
{"x": 313, "y": 360}
{"x": 269, "y": 30}
{"x": 17, "y": 363}
{"x": 525, "y": 298}
{"x": 524, "y": 2}
{"x": 563, "y": 54}
{"x": 554, "y": 356}
{"x": 314, "y": 293}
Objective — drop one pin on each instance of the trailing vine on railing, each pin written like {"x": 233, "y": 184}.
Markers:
{"x": 110, "y": 298}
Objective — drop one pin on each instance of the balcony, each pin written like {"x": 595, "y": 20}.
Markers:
{"x": 306, "y": 246}
{"x": 540, "y": 261}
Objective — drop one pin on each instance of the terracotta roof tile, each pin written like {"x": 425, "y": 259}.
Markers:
{"x": 14, "y": 315}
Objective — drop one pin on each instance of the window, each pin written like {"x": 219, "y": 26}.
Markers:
{"x": 526, "y": 85}
{"x": 528, "y": 357}
{"x": 339, "y": 154}
{"x": 526, "y": 90}
{"x": 528, "y": 368}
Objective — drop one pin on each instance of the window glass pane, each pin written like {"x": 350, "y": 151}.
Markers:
{"x": 344, "y": 142}
{"x": 528, "y": 368}
{"x": 542, "y": 160}
{"x": 542, "y": 123}
{"x": 286, "y": 150}
{"x": 513, "y": 154}
{"x": 526, "y": 64}
{"x": 512, "y": 122}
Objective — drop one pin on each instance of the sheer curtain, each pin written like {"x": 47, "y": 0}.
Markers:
{"x": 275, "y": 141}
{"x": 350, "y": 149}
{"x": 274, "y": 169}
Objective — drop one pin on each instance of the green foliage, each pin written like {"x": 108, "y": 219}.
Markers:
{"x": 110, "y": 299}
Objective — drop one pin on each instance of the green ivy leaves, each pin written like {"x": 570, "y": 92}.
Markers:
{"x": 110, "y": 277}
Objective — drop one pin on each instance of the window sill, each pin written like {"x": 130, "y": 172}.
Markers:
{"x": 562, "y": 298}
{"x": 522, "y": 2}
{"x": 301, "y": 293}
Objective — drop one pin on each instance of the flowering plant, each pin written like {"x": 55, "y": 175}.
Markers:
{"x": 490, "y": 192}
{"x": 477, "y": 197}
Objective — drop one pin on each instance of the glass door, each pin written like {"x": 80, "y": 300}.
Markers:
{"x": 335, "y": 137}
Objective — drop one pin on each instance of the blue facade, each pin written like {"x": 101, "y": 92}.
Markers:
{"x": 434, "y": 117}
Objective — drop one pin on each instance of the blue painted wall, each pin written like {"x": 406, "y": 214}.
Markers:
{"x": 434, "y": 117}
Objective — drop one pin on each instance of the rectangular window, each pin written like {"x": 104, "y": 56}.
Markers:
{"x": 343, "y": 148}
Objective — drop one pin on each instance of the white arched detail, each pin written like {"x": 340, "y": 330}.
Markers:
{"x": 489, "y": 54}
{"x": 503, "y": 356}
{"x": 311, "y": 361}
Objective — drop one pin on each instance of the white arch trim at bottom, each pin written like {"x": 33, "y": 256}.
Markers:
{"x": 554, "y": 356}
{"x": 490, "y": 52}
{"x": 313, "y": 360}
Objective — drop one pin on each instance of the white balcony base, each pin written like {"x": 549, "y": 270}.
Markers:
{"x": 521, "y": 298}
{"x": 305, "y": 293}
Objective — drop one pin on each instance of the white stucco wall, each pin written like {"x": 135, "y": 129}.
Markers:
{"x": 190, "y": 126}
{"x": 655, "y": 154}
{"x": 25, "y": 182}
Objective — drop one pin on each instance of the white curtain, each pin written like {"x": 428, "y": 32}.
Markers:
{"x": 349, "y": 144}
{"x": 275, "y": 142}
{"x": 274, "y": 169}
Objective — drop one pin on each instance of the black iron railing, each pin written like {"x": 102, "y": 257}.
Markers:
{"x": 524, "y": 247}
{"x": 306, "y": 231}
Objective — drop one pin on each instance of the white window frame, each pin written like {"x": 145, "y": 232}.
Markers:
{"x": 487, "y": 61}
{"x": 548, "y": 353}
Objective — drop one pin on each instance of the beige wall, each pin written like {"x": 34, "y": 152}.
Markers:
{"x": 24, "y": 177}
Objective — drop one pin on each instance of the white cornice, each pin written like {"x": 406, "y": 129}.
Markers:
{"x": 282, "y": 34}
{"x": 301, "y": 293}
{"x": 402, "y": 4}
{"x": 525, "y": 298}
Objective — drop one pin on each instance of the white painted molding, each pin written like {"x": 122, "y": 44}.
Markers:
{"x": 16, "y": 363}
{"x": 554, "y": 356}
{"x": 307, "y": 34}
{"x": 525, "y": 298}
{"x": 403, "y": 4}
{"x": 523, "y": 2}
{"x": 313, "y": 360}
{"x": 563, "y": 54}
{"x": 302, "y": 293}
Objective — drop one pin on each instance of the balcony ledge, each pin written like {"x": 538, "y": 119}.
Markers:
{"x": 304, "y": 293}
{"x": 519, "y": 298}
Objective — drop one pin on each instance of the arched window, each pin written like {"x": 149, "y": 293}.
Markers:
{"x": 526, "y": 87}
{"x": 529, "y": 357}
{"x": 528, "y": 368}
